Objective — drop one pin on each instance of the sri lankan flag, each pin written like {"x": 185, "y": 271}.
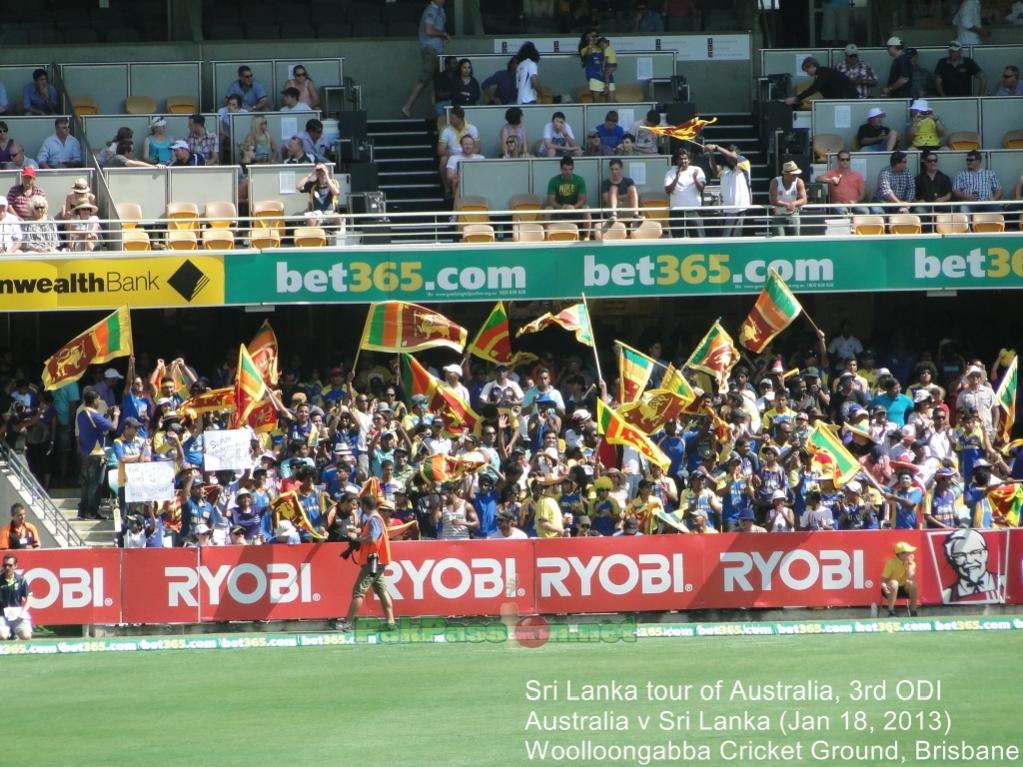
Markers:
{"x": 618, "y": 432}
{"x": 395, "y": 326}
{"x": 575, "y": 319}
{"x": 634, "y": 371}
{"x": 654, "y": 408}
{"x": 212, "y": 401}
{"x": 107, "y": 339}
{"x": 288, "y": 506}
{"x": 249, "y": 387}
{"x": 715, "y": 354}
{"x": 1006, "y": 397}
{"x": 446, "y": 468}
{"x": 824, "y": 441}
{"x": 178, "y": 373}
{"x": 264, "y": 351}
{"x": 1006, "y": 501}
{"x": 440, "y": 398}
{"x": 263, "y": 417}
{"x": 493, "y": 342}
{"x": 774, "y": 311}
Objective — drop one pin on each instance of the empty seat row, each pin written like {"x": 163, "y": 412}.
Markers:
{"x": 139, "y": 105}
{"x": 562, "y": 231}
{"x": 944, "y": 223}
{"x": 224, "y": 239}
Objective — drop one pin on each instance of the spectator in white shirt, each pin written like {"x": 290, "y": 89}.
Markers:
{"x": 684, "y": 185}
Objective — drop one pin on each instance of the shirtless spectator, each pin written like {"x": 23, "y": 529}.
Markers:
{"x": 558, "y": 139}
{"x": 857, "y": 70}
{"x": 254, "y": 96}
{"x": 454, "y": 162}
{"x": 201, "y": 141}
{"x": 846, "y": 188}
{"x": 61, "y": 150}
{"x": 303, "y": 83}
{"x": 39, "y": 97}
{"x": 872, "y": 136}
{"x": 20, "y": 195}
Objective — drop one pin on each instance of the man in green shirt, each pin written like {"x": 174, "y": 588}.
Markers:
{"x": 566, "y": 193}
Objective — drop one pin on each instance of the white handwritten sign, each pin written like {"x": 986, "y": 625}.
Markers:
{"x": 227, "y": 450}
{"x": 149, "y": 481}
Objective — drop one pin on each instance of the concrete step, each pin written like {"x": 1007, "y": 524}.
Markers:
{"x": 95, "y": 532}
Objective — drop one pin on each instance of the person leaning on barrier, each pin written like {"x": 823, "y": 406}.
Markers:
{"x": 788, "y": 195}
{"x": 372, "y": 552}
{"x": 684, "y": 184}
{"x": 829, "y": 83}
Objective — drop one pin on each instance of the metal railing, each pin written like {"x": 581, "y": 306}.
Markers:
{"x": 13, "y": 467}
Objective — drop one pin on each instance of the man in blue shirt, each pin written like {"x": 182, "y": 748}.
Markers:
{"x": 893, "y": 400}
{"x": 61, "y": 150}
{"x": 93, "y": 427}
{"x": 196, "y": 510}
{"x": 39, "y": 97}
{"x": 252, "y": 92}
{"x": 610, "y": 132}
{"x": 485, "y": 504}
{"x": 906, "y": 499}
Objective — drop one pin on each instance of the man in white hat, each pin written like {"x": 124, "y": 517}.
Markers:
{"x": 872, "y": 136}
{"x": 106, "y": 389}
{"x": 453, "y": 378}
{"x": 183, "y": 155}
{"x": 954, "y": 74}
{"x": 978, "y": 396}
{"x": 857, "y": 70}
{"x": 788, "y": 195}
{"x": 898, "y": 579}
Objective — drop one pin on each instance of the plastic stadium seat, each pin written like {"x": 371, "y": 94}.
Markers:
{"x": 964, "y": 140}
{"x": 951, "y": 223}
{"x": 140, "y": 105}
{"x": 220, "y": 214}
{"x": 825, "y": 144}
{"x": 135, "y": 239}
{"x": 218, "y": 239}
{"x": 478, "y": 233}
{"x": 904, "y": 223}
{"x": 562, "y": 231}
{"x": 310, "y": 237}
{"x": 84, "y": 105}
{"x": 1013, "y": 140}
{"x": 182, "y": 105}
{"x": 629, "y": 93}
{"x": 527, "y": 207}
{"x": 988, "y": 222}
{"x": 527, "y": 232}
{"x": 582, "y": 95}
{"x": 129, "y": 213}
{"x": 182, "y": 216}
{"x": 648, "y": 229}
{"x": 265, "y": 238}
{"x": 616, "y": 231}
{"x": 182, "y": 239}
{"x": 472, "y": 210}
{"x": 868, "y": 224}
{"x": 270, "y": 214}
{"x": 654, "y": 206}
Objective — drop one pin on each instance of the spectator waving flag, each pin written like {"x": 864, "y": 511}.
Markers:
{"x": 212, "y": 401}
{"x": 493, "y": 342}
{"x": 179, "y": 373}
{"x": 1006, "y": 502}
{"x": 446, "y": 468}
{"x": 617, "y": 431}
{"x": 575, "y": 319}
{"x": 441, "y": 399}
{"x": 107, "y": 339}
{"x": 288, "y": 506}
{"x": 774, "y": 311}
{"x": 823, "y": 440}
{"x": 634, "y": 371}
{"x": 1006, "y": 397}
{"x": 264, "y": 351}
{"x": 396, "y": 326}
{"x": 715, "y": 354}
{"x": 249, "y": 387}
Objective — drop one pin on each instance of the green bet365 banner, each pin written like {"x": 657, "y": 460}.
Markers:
{"x": 660, "y": 268}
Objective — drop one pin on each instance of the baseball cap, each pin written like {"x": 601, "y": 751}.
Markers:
{"x": 28, "y": 171}
{"x": 955, "y": 45}
{"x": 179, "y": 144}
{"x": 851, "y": 49}
{"x": 112, "y": 373}
{"x": 453, "y": 368}
{"x": 747, "y": 514}
{"x": 202, "y": 528}
{"x": 921, "y": 395}
{"x": 135, "y": 422}
{"x": 902, "y": 547}
{"x": 894, "y": 41}
{"x": 974, "y": 369}
{"x": 875, "y": 112}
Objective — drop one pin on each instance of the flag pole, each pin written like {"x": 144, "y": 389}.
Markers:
{"x": 596, "y": 357}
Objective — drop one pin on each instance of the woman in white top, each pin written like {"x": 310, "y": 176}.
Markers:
{"x": 527, "y": 74}
{"x": 455, "y": 518}
{"x": 788, "y": 195}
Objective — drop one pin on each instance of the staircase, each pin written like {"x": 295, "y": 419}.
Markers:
{"x": 95, "y": 532}
{"x": 741, "y": 129}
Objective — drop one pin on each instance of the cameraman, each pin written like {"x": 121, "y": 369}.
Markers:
{"x": 373, "y": 554}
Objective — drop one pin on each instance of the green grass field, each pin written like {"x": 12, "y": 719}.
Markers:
{"x": 420, "y": 705}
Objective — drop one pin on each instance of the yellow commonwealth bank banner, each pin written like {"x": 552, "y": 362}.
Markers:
{"x": 29, "y": 283}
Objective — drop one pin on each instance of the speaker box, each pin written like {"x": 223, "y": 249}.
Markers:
{"x": 777, "y": 116}
{"x": 352, "y": 125}
{"x": 364, "y": 177}
{"x": 367, "y": 202}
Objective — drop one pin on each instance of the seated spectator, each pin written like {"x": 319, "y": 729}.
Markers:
{"x": 10, "y": 229}
{"x": 183, "y": 155}
{"x": 20, "y": 195}
{"x": 39, "y": 97}
{"x": 925, "y": 129}
{"x": 846, "y": 187}
{"x": 6, "y": 143}
{"x": 324, "y": 195}
{"x": 124, "y": 157}
{"x": 566, "y": 194}
{"x": 513, "y": 126}
{"x": 610, "y": 132}
{"x": 202, "y": 142}
{"x": 466, "y": 90}
{"x": 307, "y": 90}
{"x": 40, "y": 229}
{"x": 628, "y": 145}
{"x": 262, "y": 141}
{"x": 290, "y": 101}
{"x": 124, "y": 133}
{"x": 246, "y": 156}
{"x": 61, "y": 150}
{"x": 316, "y": 145}
{"x": 84, "y": 228}
{"x": 295, "y": 154}
{"x": 454, "y": 162}
{"x": 253, "y": 94}
{"x": 872, "y": 136}
{"x": 595, "y": 147}
{"x": 558, "y": 139}
{"x": 684, "y": 184}
{"x": 646, "y": 139}
{"x": 500, "y": 88}
{"x": 954, "y": 74}
{"x": 828, "y": 82}
{"x": 157, "y": 145}
{"x": 513, "y": 148}
{"x": 894, "y": 185}
{"x": 80, "y": 192}
{"x": 618, "y": 192}
{"x": 931, "y": 184}
{"x": 857, "y": 70}
{"x": 19, "y": 160}
{"x": 921, "y": 81}
{"x": 975, "y": 185}
{"x": 788, "y": 195}
{"x": 1011, "y": 86}
{"x": 450, "y": 141}
{"x": 234, "y": 106}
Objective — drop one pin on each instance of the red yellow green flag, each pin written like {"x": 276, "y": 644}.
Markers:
{"x": 835, "y": 454}
{"x": 618, "y": 432}
{"x": 575, "y": 319}
{"x": 1006, "y": 502}
{"x": 441, "y": 399}
{"x": 396, "y": 326}
{"x": 493, "y": 341}
{"x": 654, "y": 408}
{"x": 107, "y": 339}
{"x": 264, "y": 351}
{"x": 446, "y": 468}
{"x": 249, "y": 387}
{"x": 288, "y": 506}
{"x": 212, "y": 401}
{"x": 263, "y": 417}
{"x": 634, "y": 371}
{"x": 715, "y": 354}
{"x": 774, "y": 311}
{"x": 1006, "y": 397}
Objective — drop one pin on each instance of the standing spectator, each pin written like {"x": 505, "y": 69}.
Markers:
{"x": 610, "y": 67}
{"x": 467, "y": 88}
{"x": 975, "y": 185}
{"x": 925, "y": 129}
{"x": 900, "y": 74}
{"x": 978, "y": 396}
{"x": 527, "y": 74}
{"x": 921, "y": 80}
{"x": 39, "y": 97}
{"x": 857, "y": 70}
{"x": 10, "y": 229}
{"x": 1011, "y": 86}
{"x": 307, "y": 92}
{"x": 684, "y": 186}
{"x": 20, "y": 196}
{"x": 736, "y": 194}
{"x": 954, "y": 74}
{"x": 92, "y": 427}
{"x": 618, "y": 192}
{"x": 846, "y": 187}
{"x": 835, "y": 15}
{"x": 967, "y": 23}
{"x": 500, "y": 88}
{"x": 201, "y": 142}
{"x": 788, "y": 195}
{"x": 558, "y": 139}
{"x": 444, "y": 86}
{"x": 872, "y": 136}
{"x": 14, "y": 602}
{"x": 431, "y": 46}
{"x": 253, "y": 94}
{"x": 592, "y": 56}
{"x": 610, "y": 132}
{"x": 648, "y": 21}
{"x": 19, "y": 534}
{"x": 894, "y": 185}
{"x": 61, "y": 150}
{"x": 828, "y": 82}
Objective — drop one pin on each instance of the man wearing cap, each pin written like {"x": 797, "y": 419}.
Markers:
{"x": 61, "y": 150}
{"x": 977, "y": 395}
{"x": 373, "y": 555}
{"x": 507, "y": 528}
{"x": 788, "y": 195}
{"x": 828, "y": 82}
{"x": 857, "y": 70}
{"x": 946, "y": 508}
{"x": 954, "y": 74}
{"x": 130, "y": 447}
{"x": 900, "y": 73}
{"x": 895, "y": 184}
{"x": 872, "y": 136}
{"x": 285, "y": 533}
{"x": 183, "y": 155}
{"x": 748, "y": 524}
{"x": 975, "y": 185}
{"x": 196, "y": 510}
{"x": 453, "y": 379}
{"x": 21, "y": 195}
{"x": 904, "y": 502}
{"x": 898, "y": 579}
